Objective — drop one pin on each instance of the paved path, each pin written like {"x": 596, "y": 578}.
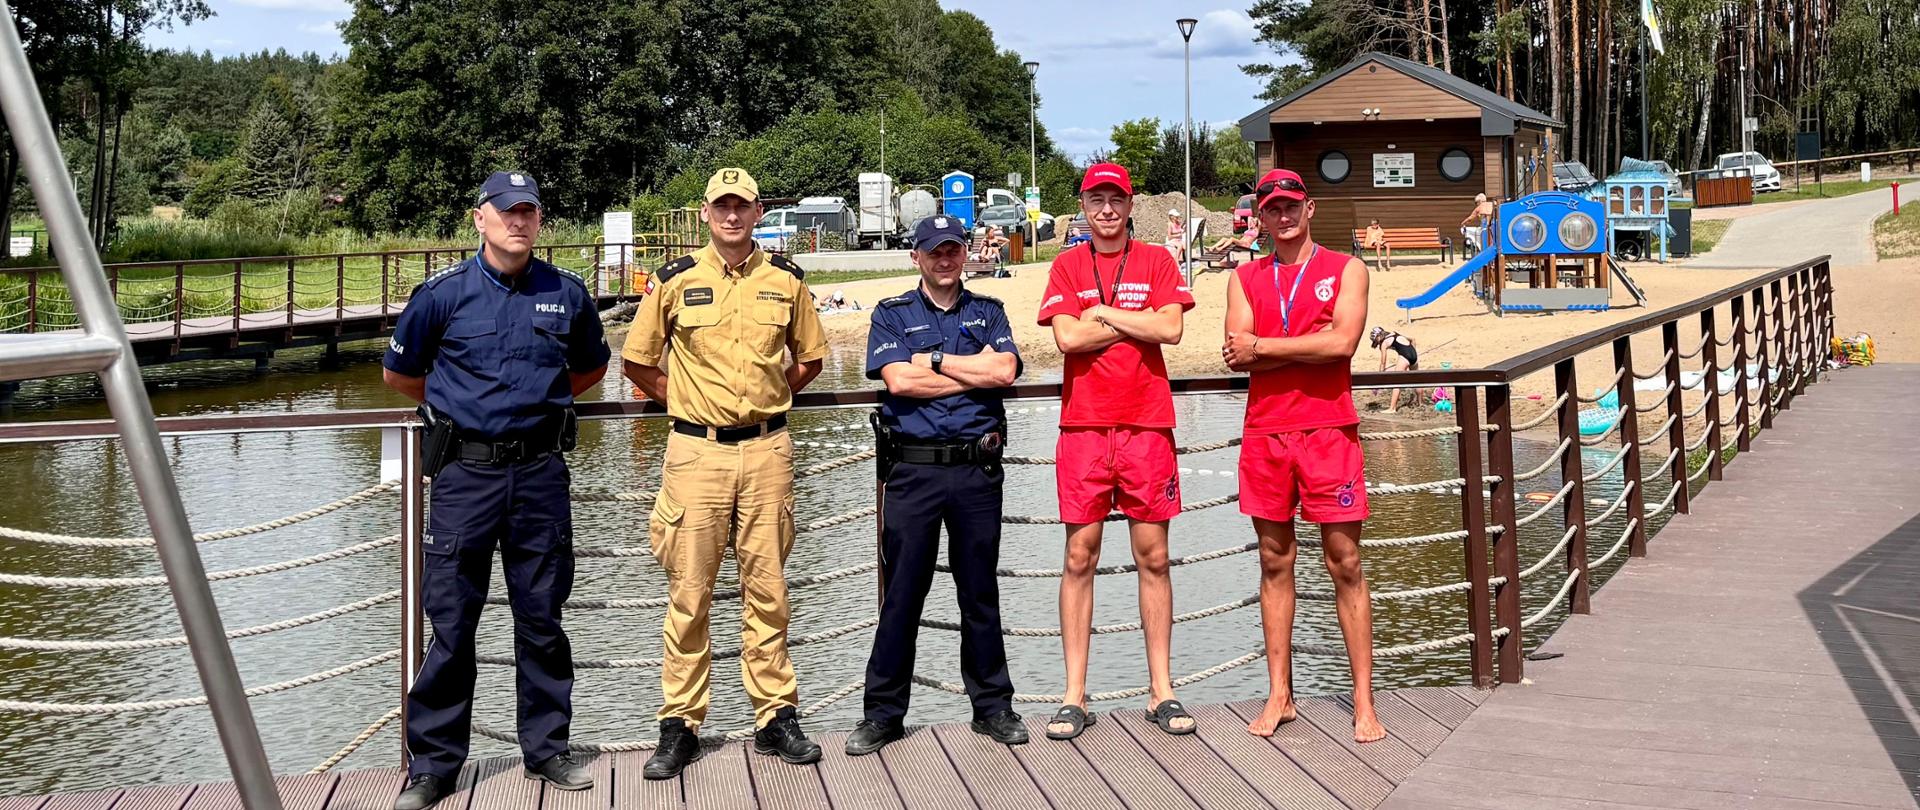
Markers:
{"x": 1841, "y": 227}
{"x": 1766, "y": 652}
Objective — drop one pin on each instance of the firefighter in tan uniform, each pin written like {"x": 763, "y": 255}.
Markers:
{"x": 712, "y": 341}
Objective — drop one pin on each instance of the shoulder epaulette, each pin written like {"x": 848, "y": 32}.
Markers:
{"x": 787, "y": 264}
{"x": 565, "y": 273}
{"x": 446, "y": 273}
{"x": 898, "y": 300}
{"x": 989, "y": 299}
{"x": 675, "y": 267}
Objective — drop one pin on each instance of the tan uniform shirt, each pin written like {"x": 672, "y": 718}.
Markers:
{"x": 723, "y": 333}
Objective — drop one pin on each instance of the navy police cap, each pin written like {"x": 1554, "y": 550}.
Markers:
{"x": 508, "y": 189}
{"x": 934, "y": 231}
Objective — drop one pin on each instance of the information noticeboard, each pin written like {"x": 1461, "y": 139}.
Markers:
{"x": 1393, "y": 170}
{"x": 19, "y": 246}
{"x": 616, "y": 240}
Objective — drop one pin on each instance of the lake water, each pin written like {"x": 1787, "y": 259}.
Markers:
{"x": 84, "y": 488}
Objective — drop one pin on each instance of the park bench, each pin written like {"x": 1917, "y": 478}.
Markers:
{"x": 1409, "y": 239}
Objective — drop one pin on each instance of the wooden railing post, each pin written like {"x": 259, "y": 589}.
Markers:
{"x": 400, "y": 459}
{"x": 1781, "y": 356}
{"x": 1825, "y": 275}
{"x": 1710, "y": 385}
{"x": 1743, "y": 399}
{"x": 1506, "y": 545}
{"x": 236, "y": 302}
{"x": 113, "y": 284}
{"x": 383, "y": 282}
{"x": 340, "y": 287}
{"x": 1795, "y": 337}
{"x": 289, "y": 292}
{"x": 1677, "y": 432}
{"x": 1812, "y": 355}
{"x": 1473, "y": 515}
{"x": 1630, "y": 443}
{"x": 33, "y": 302}
{"x": 1764, "y": 358}
{"x": 1572, "y": 471}
{"x": 179, "y": 302}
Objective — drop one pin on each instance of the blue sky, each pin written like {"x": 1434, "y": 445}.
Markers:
{"x": 1131, "y": 45}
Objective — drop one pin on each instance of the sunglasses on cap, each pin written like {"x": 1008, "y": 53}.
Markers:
{"x": 1282, "y": 184}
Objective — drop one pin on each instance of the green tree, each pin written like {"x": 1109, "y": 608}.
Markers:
{"x": 1134, "y": 144}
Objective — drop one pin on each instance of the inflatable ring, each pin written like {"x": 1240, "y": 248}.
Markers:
{"x": 1540, "y": 497}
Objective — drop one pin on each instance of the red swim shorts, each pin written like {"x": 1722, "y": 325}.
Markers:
{"x": 1320, "y": 472}
{"x": 1098, "y": 468}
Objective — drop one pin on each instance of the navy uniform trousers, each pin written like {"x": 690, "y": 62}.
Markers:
{"x": 524, "y": 509}
{"x": 918, "y": 500}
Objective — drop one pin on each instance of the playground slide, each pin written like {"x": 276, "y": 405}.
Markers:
{"x": 1620, "y": 273}
{"x": 1452, "y": 280}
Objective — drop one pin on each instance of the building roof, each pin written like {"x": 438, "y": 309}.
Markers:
{"x": 1436, "y": 78}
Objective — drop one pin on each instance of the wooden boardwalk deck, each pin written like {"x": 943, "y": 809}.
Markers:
{"x": 1122, "y": 762}
{"x": 1766, "y": 653}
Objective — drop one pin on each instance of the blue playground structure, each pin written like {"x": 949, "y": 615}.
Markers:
{"x": 1553, "y": 243}
{"x": 1636, "y": 205}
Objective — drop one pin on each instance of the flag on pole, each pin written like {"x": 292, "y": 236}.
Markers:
{"x": 1652, "y": 21}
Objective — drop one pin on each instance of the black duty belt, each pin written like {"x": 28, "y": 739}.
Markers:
{"x": 731, "y": 435}
{"x": 986, "y": 450}
{"x": 509, "y": 451}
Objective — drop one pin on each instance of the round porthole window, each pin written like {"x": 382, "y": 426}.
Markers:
{"x": 1334, "y": 166}
{"x": 1527, "y": 232}
{"x": 1577, "y": 231}
{"x": 1456, "y": 164}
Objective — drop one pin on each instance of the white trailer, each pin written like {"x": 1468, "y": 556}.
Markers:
{"x": 879, "y": 213}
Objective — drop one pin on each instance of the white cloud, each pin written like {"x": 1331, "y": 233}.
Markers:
{"x": 1221, "y": 34}
{"x": 326, "y": 28}
{"x": 339, "y": 6}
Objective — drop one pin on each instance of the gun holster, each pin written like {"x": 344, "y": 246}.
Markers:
{"x": 886, "y": 447}
{"x": 569, "y": 430}
{"x": 439, "y": 443}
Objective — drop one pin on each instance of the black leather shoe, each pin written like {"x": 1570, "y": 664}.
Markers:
{"x": 870, "y": 736}
{"x": 1004, "y": 727}
{"x": 421, "y": 792}
{"x": 783, "y": 737}
{"x": 679, "y": 747}
{"x": 562, "y": 771}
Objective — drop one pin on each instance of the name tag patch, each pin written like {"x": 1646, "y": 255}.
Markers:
{"x": 696, "y": 296}
{"x": 770, "y": 295}
{"x": 554, "y": 309}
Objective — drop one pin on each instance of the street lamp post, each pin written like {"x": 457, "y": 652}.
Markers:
{"x": 1033, "y": 153}
{"x": 1186, "y": 220}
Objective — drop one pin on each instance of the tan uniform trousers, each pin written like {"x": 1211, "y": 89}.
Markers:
{"x": 713, "y": 496}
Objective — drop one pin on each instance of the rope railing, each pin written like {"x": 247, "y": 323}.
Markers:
{"x": 1618, "y": 375}
{"x": 91, "y": 645}
{"x": 829, "y": 634}
{"x": 1118, "y": 694}
{"x": 1566, "y": 587}
{"x": 1606, "y": 468}
{"x": 1619, "y": 419}
{"x": 1615, "y": 506}
{"x": 1545, "y": 507}
{"x": 1042, "y": 520}
{"x": 73, "y": 709}
{"x": 1621, "y": 543}
{"x": 1695, "y": 476}
{"x": 1551, "y": 555}
{"x": 1704, "y": 436}
{"x": 1659, "y": 367}
{"x": 358, "y": 740}
{"x": 1541, "y": 418}
{"x": 1558, "y": 453}
{"x": 49, "y": 538}
{"x": 1102, "y": 629}
{"x": 1662, "y": 470}
{"x": 212, "y": 576}
{"x": 1697, "y": 347}
{"x": 735, "y": 735}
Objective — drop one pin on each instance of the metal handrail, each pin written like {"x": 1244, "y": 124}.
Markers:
{"x": 99, "y": 315}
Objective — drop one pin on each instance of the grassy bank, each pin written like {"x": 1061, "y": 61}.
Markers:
{"x": 1707, "y": 233}
{"x": 1898, "y": 237}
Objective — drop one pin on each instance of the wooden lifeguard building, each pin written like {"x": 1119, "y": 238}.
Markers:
{"x": 1407, "y": 144}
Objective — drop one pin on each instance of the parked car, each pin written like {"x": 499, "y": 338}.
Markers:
{"x": 1674, "y": 188}
{"x": 1765, "y": 176}
{"x": 1242, "y": 214}
{"x": 1011, "y": 217}
{"x": 1572, "y": 176}
{"x": 775, "y": 228}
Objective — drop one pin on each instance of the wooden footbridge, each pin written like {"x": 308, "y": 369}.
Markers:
{"x": 251, "y": 308}
{"x": 1764, "y": 653}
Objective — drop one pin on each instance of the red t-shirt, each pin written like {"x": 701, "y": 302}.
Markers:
{"x": 1125, "y": 383}
{"x": 1297, "y": 396}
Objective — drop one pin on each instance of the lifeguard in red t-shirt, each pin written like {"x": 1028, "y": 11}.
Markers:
{"x": 1112, "y": 305}
{"x": 1294, "y": 320}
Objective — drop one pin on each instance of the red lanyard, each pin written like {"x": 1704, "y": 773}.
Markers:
{"x": 1093, "y": 257}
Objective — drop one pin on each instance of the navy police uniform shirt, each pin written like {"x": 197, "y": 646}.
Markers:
{"x": 911, "y": 324}
{"x": 496, "y": 350}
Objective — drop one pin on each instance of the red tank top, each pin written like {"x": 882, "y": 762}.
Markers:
{"x": 1290, "y": 301}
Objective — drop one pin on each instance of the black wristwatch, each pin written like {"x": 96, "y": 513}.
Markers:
{"x": 936, "y": 359}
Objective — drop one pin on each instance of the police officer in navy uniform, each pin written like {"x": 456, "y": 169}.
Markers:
{"x": 944, "y": 354}
{"x": 497, "y": 347}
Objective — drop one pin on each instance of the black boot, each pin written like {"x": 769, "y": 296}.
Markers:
{"x": 421, "y": 792}
{"x": 679, "y": 747}
{"x": 1004, "y": 727}
{"x": 562, "y": 771}
{"x": 870, "y": 736}
{"x": 784, "y": 738}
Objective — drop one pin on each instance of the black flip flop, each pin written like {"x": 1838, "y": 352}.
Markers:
{"x": 1168, "y": 711}
{"x": 1072, "y": 715}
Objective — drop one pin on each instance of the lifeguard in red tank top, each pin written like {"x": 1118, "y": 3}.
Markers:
{"x": 1290, "y": 301}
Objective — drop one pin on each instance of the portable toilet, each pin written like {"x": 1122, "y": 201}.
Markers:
{"x": 956, "y": 197}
